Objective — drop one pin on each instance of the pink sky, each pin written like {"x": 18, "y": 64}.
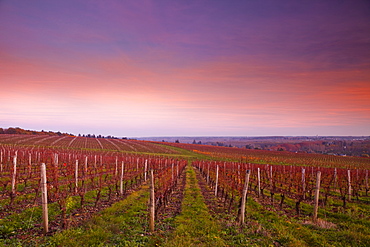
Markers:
{"x": 194, "y": 68}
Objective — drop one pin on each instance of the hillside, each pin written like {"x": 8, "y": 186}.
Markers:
{"x": 21, "y": 131}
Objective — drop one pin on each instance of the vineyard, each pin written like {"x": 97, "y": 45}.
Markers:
{"x": 68, "y": 142}
{"x": 56, "y": 190}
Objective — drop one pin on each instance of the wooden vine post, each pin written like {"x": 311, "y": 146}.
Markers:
{"x": 259, "y": 181}
{"x": 303, "y": 184}
{"x": 272, "y": 192}
{"x": 349, "y": 185}
{"x": 316, "y": 199}
{"x": 76, "y": 177}
{"x": 145, "y": 169}
{"x": 1, "y": 161}
{"x": 216, "y": 181}
{"x": 367, "y": 181}
{"x": 116, "y": 171}
{"x": 85, "y": 165}
{"x": 94, "y": 161}
{"x": 335, "y": 178}
{"x": 151, "y": 202}
{"x": 121, "y": 180}
{"x": 44, "y": 199}
{"x": 244, "y": 199}
{"x": 29, "y": 166}
{"x": 14, "y": 174}
{"x": 208, "y": 174}
{"x": 172, "y": 172}
{"x": 177, "y": 169}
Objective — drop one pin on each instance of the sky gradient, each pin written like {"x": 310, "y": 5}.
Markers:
{"x": 186, "y": 68}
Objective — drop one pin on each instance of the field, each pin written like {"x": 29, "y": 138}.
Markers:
{"x": 115, "y": 192}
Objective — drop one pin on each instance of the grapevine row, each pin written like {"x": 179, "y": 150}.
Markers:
{"x": 294, "y": 182}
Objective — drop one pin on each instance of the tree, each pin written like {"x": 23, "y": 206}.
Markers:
{"x": 11, "y": 131}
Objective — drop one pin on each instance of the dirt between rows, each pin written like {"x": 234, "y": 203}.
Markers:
{"x": 215, "y": 206}
{"x": 173, "y": 206}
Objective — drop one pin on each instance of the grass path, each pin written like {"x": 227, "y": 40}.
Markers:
{"x": 195, "y": 226}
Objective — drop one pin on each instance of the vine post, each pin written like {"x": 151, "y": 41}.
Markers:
{"x": 121, "y": 179}
{"x": 177, "y": 169}
{"x": 259, "y": 181}
{"x": 172, "y": 171}
{"x": 152, "y": 202}
{"x": 244, "y": 198}
{"x": 335, "y": 178}
{"x": 145, "y": 169}
{"x": 1, "y": 161}
{"x": 76, "y": 177}
{"x": 216, "y": 181}
{"x": 303, "y": 184}
{"x": 367, "y": 181}
{"x": 94, "y": 161}
{"x": 208, "y": 174}
{"x": 85, "y": 165}
{"x": 29, "y": 167}
{"x": 44, "y": 198}
{"x": 14, "y": 174}
{"x": 316, "y": 199}
{"x": 349, "y": 185}
{"x": 116, "y": 171}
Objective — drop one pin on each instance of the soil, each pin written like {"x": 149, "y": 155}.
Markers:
{"x": 215, "y": 205}
{"x": 173, "y": 206}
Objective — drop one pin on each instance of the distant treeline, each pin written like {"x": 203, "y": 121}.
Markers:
{"x": 20, "y": 131}
{"x": 100, "y": 136}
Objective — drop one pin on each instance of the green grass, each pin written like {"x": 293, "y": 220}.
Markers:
{"x": 187, "y": 153}
{"x": 269, "y": 226}
{"x": 19, "y": 223}
{"x": 123, "y": 224}
{"x": 195, "y": 226}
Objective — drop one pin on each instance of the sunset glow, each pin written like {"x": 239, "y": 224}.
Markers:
{"x": 186, "y": 68}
